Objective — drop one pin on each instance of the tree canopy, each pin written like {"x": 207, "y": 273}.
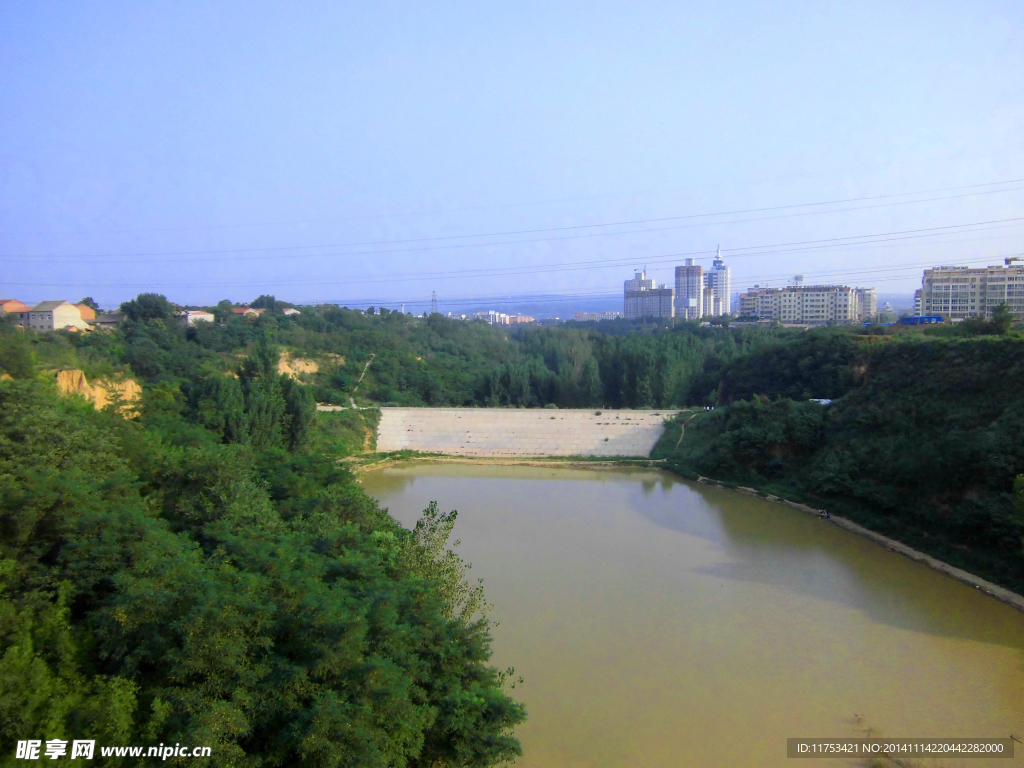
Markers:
{"x": 201, "y": 575}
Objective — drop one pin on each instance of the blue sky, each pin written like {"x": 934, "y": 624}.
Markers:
{"x": 321, "y": 151}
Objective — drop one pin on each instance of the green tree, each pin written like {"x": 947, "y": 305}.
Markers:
{"x": 264, "y": 398}
{"x": 299, "y": 413}
{"x": 224, "y": 310}
{"x": 1002, "y": 319}
{"x": 425, "y": 553}
{"x": 216, "y": 403}
{"x": 1018, "y": 493}
{"x": 268, "y": 303}
{"x": 149, "y": 306}
{"x": 151, "y": 592}
{"x": 15, "y": 353}
{"x": 90, "y": 303}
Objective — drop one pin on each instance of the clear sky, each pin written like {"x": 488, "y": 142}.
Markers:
{"x": 323, "y": 151}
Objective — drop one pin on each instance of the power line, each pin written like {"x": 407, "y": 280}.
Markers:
{"x": 117, "y": 258}
{"x": 741, "y": 252}
{"x": 418, "y": 214}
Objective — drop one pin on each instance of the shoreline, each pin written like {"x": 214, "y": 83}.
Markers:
{"x": 509, "y": 461}
{"x": 1002, "y": 594}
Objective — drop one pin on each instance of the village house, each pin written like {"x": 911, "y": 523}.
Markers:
{"x": 291, "y": 311}
{"x": 248, "y": 312}
{"x": 193, "y": 316}
{"x": 55, "y": 316}
{"x": 107, "y": 321}
{"x": 14, "y": 311}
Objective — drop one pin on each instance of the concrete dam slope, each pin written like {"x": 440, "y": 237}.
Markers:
{"x": 520, "y": 432}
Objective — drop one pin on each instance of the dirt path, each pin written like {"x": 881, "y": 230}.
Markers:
{"x": 352, "y": 397}
{"x": 682, "y": 429}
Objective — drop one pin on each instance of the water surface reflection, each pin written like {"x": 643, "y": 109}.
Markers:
{"x": 663, "y": 623}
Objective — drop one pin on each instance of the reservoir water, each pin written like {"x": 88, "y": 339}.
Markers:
{"x": 662, "y": 623}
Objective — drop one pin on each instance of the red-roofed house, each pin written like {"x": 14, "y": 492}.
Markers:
{"x": 15, "y": 309}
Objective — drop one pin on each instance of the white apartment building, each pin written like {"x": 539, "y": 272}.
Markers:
{"x": 812, "y": 304}
{"x": 961, "y": 292}
{"x": 642, "y": 298}
{"x": 493, "y": 316}
{"x": 714, "y": 306}
{"x": 867, "y": 304}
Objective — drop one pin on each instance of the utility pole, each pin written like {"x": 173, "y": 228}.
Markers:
{"x": 433, "y": 302}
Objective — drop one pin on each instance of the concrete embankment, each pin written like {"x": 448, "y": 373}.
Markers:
{"x": 520, "y": 432}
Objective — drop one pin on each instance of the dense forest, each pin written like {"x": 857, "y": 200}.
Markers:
{"x": 438, "y": 361}
{"x": 204, "y": 574}
{"x": 208, "y": 571}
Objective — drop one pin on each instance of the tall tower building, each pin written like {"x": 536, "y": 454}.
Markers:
{"x": 690, "y": 291}
{"x": 718, "y": 282}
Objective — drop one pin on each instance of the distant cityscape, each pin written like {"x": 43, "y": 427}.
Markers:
{"x": 952, "y": 293}
{"x": 949, "y": 292}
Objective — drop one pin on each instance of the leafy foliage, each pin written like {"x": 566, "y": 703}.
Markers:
{"x": 148, "y": 306}
{"x": 16, "y": 358}
{"x": 923, "y": 443}
{"x": 199, "y": 576}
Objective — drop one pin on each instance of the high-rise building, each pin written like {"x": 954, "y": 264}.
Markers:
{"x": 642, "y": 298}
{"x": 718, "y": 280}
{"x": 867, "y": 304}
{"x": 713, "y": 305}
{"x": 638, "y": 283}
{"x": 811, "y": 304}
{"x": 961, "y": 292}
{"x": 690, "y": 291}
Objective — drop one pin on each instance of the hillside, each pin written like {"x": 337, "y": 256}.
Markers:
{"x": 210, "y": 574}
{"x": 922, "y": 441}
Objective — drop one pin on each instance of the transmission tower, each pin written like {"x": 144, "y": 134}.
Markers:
{"x": 433, "y": 302}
